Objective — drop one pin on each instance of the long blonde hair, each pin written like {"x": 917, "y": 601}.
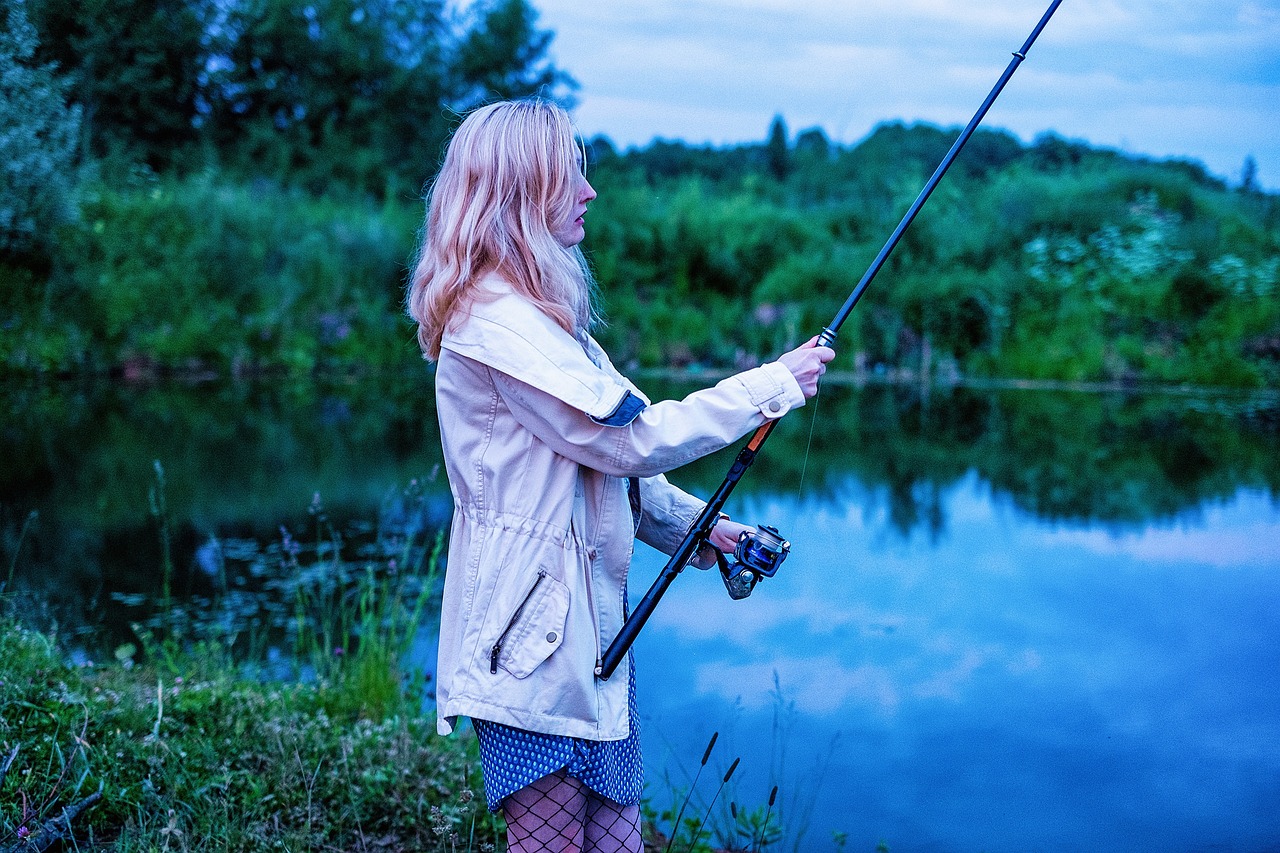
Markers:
{"x": 510, "y": 178}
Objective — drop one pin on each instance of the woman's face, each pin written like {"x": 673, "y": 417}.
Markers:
{"x": 571, "y": 233}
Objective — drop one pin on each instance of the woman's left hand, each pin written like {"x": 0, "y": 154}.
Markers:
{"x": 726, "y": 532}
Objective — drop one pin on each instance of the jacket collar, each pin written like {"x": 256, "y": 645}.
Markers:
{"x": 510, "y": 334}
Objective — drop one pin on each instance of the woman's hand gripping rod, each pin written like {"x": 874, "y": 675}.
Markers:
{"x": 699, "y": 534}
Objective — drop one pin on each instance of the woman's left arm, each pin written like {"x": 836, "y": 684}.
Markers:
{"x": 666, "y": 514}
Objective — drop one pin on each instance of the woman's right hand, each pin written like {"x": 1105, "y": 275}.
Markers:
{"x": 807, "y": 363}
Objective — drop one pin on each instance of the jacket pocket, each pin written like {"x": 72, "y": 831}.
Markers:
{"x": 534, "y": 630}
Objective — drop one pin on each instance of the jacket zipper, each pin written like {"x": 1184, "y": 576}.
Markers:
{"x": 591, "y": 605}
{"x": 515, "y": 617}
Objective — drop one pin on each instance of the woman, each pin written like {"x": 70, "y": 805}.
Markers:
{"x": 555, "y": 461}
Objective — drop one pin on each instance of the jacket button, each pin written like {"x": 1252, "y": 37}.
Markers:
{"x": 775, "y": 406}
{"x": 551, "y": 637}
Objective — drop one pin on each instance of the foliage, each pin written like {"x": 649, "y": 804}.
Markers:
{"x": 290, "y": 141}
{"x": 191, "y": 744}
{"x": 37, "y": 146}
{"x": 134, "y": 66}
{"x": 188, "y": 274}
{"x": 192, "y": 757}
{"x": 777, "y": 152}
{"x": 324, "y": 93}
{"x": 503, "y": 55}
{"x": 1054, "y": 260}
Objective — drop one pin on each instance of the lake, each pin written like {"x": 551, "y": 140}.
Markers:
{"x": 1012, "y": 619}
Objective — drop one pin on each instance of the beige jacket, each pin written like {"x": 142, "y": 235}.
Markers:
{"x": 540, "y": 432}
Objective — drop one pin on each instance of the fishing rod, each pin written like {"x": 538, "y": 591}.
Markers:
{"x": 759, "y": 553}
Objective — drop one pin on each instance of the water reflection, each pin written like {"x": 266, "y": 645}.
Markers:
{"x": 1013, "y": 684}
{"x": 1011, "y": 620}
{"x": 240, "y": 462}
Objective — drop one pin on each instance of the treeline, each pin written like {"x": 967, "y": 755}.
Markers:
{"x": 1049, "y": 260}
{"x": 235, "y": 187}
{"x": 355, "y": 94}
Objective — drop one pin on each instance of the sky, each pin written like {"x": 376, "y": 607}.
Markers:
{"x": 1197, "y": 79}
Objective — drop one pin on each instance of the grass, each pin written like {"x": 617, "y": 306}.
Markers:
{"x": 692, "y": 823}
{"x": 189, "y": 755}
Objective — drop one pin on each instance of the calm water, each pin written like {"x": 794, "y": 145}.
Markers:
{"x": 1011, "y": 620}
{"x": 1011, "y": 684}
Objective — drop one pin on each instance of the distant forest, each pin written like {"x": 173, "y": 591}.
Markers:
{"x": 234, "y": 187}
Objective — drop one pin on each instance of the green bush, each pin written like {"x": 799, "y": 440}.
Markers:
{"x": 182, "y": 274}
{"x": 1064, "y": 262}
{"x": 37, "y": 145}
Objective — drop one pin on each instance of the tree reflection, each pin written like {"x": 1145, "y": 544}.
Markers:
{"x": 243, "y": 460}
{"x": 1076, "y": 456}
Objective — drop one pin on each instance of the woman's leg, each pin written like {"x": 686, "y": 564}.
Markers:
{"x": 612, "y": 828}
{"x": 549, "y": 814}
{"x": 558, "y": 813}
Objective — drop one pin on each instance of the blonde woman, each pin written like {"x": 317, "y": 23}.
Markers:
{"x": 556, "y": 463}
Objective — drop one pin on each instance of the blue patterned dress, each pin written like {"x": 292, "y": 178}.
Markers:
{"x": 513, "y": 758}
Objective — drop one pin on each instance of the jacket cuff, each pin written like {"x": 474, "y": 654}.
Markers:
{"x": 772, "y": 389}
{"x": 624, "y": 413}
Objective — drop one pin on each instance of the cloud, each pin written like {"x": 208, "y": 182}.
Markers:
{"x": 1237, "y": 534}
{"x": 1196, "y": 79}
{"x": 818, "y": 686}
{"x": 1238, "y": 548}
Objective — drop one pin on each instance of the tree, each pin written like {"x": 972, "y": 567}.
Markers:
{"x": 777, "y": 154}
{"x": 335, "y": 90}
{"x": 989, "y": 151}
{"x": 37, "y": 144}
{"x": 895, "y": 147}
{"x": 814, "y": 145}
{"x": 135, "y": 66}
{"x": 364, "y": 92}
{"x": 1249, "y": 176}
{"x": 1051, "y": 152}
{"x": 504, "y": 55}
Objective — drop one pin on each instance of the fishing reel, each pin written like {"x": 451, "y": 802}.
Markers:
{"x": 757, "y": 555}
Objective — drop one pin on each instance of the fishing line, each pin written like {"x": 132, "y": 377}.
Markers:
{"x": 813, "y": 422}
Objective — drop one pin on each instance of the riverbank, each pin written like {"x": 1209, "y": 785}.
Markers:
{"x": 1017, "y": 524}
{"x": 187, "y": 752}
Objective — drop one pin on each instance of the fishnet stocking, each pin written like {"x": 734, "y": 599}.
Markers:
{"x": 559, "y": 814}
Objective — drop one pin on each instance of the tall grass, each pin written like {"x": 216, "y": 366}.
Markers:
{"x": 207, "y": 760}
{"x": 354, "y": 626}
{"x": 745, "y": 829}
